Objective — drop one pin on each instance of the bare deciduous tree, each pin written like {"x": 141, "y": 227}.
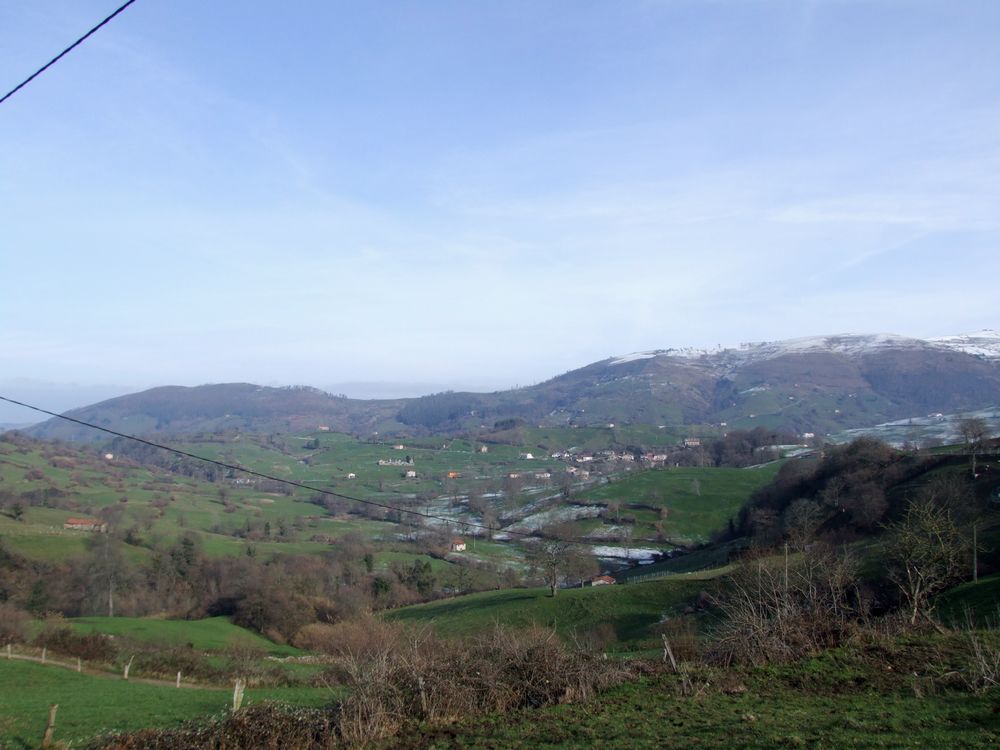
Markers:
{"x": 557, "y": 557}
{"x": 801, "y": 520}
{"x": 974, "y": 432}
{"x": 927, "y": 553}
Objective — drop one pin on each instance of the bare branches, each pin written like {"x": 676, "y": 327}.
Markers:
{"x": 777, "y": 610}
{"x": 927, "y": 553}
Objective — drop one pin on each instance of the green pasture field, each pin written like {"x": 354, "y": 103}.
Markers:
{"x": 208, "y": 634}
{"x": 337, "y": 455}
{"x": 90, "y": 704}
{"x": 630, "y": 610}
{"x": 978, "y": 602}
{"x": 386, "y": 558}
{"x": 160, "y": 507}
{"x": 82, "y": 483}
{"x": 698, "y": 501}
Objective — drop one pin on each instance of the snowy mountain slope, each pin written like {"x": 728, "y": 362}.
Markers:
{"x": 984, "y": 344}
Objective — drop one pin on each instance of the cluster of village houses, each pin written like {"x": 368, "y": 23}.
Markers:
{"x": 574, "y": 458}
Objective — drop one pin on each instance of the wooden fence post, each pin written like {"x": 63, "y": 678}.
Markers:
{"x": 238, "y": 693}
{"x": 50, "y": 728}
{"x": 8, "y": 652}
{"x": 129, "y": 665}
{"x": 178, "y": 678}
{"x": 668, "y": 652}
{"x": 79, "y": 664}
{"x": 44, "y": 651}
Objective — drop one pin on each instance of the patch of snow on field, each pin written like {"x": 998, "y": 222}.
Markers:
{"x": 632, "y": 357}
{"x": 556, "y": 515}
{"x": 632, "y": 553}
{"x": 929, "y": 429}
{"x": 606, "y": 532}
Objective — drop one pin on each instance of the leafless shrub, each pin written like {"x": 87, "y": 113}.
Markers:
{"x": 682, "y": 635}
{"x": 402, "y": 674}
{"x": 361, "y": 637}
{"x": 982, "y": 671}
{"x": 13, "y": 624}
{"x": 778, "y": 609}
{"x": 245, "y": 658}
{"x": 61, "y": 638}
{"x": 266, "y": 726}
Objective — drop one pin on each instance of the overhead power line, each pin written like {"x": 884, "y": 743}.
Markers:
{"x": 261, "y": 475}
{"x": 62, "y": 54}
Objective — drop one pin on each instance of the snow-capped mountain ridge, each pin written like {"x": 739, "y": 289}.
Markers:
{"x": 984, "y": 344}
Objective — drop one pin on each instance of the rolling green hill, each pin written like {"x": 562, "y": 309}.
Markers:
{"x": 630, "y": 610}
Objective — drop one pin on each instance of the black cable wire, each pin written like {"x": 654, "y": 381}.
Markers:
{"x": 58, "y": 57}
{"x": 261, "y": 475}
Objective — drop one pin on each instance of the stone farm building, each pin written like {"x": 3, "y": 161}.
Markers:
{"x": 602, "y": 581}
{"x": 86, "y": 524}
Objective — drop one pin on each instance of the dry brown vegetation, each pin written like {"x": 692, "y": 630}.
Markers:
{"x": 778, "y": 609}
{"x": 397, "y": 674}
{"x": 399, "y": 677}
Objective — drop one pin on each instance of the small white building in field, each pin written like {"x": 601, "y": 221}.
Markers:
{"x": 457, "y": 545}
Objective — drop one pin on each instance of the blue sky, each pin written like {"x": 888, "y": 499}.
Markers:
{"x": 485, "y": 194}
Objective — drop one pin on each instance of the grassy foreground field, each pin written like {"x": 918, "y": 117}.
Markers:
{"x": 833, "y": 701}
{"x": 650, "y": 715}
{"x": 89, "y": 704}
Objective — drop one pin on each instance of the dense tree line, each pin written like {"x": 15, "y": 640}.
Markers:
{"x": 849, "y": 491}
{"x": 275, "y": 596}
